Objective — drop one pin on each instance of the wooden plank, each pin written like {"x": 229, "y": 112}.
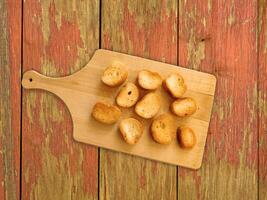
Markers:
{"x": 262, "y": 59}
{"x": 10, "y": 65}
{"x": 59, "y": 38}
{"x": 83, "y": 89}
{"x": 220, "y": 37}
{"x": 148, "y": 29}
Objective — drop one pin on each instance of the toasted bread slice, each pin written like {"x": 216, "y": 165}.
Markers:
{"x": 114, "y": 75}
{"x": 184, "y": 107}
{"x": 163, "y": 129}
{"x": 131, "y": 130}
{"x": 175, "y": 84}
{"x": 128, "y": 95}
{"x": 148, "y": 106}
{"x": 149, "y": 80}
{"x": 186, "y": 137}
{"x": 106, "y": 113}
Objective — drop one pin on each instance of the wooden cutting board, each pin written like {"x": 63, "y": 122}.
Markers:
{"x": 81, "y": 90}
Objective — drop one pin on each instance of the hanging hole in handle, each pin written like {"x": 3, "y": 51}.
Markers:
{"x": 30, "y": 79}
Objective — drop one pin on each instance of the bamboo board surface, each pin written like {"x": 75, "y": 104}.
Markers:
{"x": 81, "y": 90}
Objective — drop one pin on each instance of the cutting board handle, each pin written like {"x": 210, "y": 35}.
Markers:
{"x": 31, "y": 80}
{"x": 34, "y": 80}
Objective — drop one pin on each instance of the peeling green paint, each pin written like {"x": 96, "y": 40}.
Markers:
{"x": 48, "y": 68}
{"x": 138, "y": 11}
{"x": 89, "y": 31}
{"x": 262, "y": 142}
{"x": 151, "y": 7}
{"x": 49, "y": 109}
{"x": 8, "y": 124}
{"x": 196, "y": 51}
{"x": 171, "y": 7}
{"x": 262, "y": 8}
{"x": 189, "y": 185}
{"x": 265, "y": 37}
{"x": 224, "y": 109}
{"x": 58, "y": 18}
{"x": 209, "y": 5}
{"x": 263, "y": 103}
{"x": 262, "y": 189}
{"x": 30, "y": 106}
{"x": 261, "y": 5}
{"x": 204, "y": 22}
{"x": 142, "y": 15}
{"x": 45, "y": 20}
{"x": 253, "y": 101}
{"x": 55, "y": 181}
{"x": 27, "y": 175}
{"x": 195, "y": 46}
{"x": 231, "y": 17}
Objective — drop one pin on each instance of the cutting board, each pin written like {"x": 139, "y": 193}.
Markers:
{"x": 81, "y": 90}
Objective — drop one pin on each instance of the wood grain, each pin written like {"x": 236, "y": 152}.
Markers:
{"x": 262, "y": 59}
{"x": 220, "y": 37}
{"x": 148, "y": 29}
{"x": 59, "y": 38}
{"x": 10, "y": 65}
{"x": 82, "y": 90}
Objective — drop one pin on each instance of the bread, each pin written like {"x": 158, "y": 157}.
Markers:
{"x": 186, "y": 137}
{"x": 148, "y": 106}
{"x": 184, "y": 107}
{"x": 106, "y": 113}
{"x": 114, "y": 75}
{"x": 149, "y": 80}
{"x": 128, "y": 95}
{"x": 131, "y": 130}
{"x": 175, "y": 85}
{"x": 163, "y": 129}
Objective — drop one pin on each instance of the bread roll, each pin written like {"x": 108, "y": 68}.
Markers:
{"x": 163, "y": 129}
{"x": 131, "y": 130}
{"x": 148, "y": 106}
{"x": 114, "y": 75}
{"x": 106, "y": 113}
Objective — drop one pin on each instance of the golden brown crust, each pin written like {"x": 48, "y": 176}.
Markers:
{"x": 114, "y": 75}
{"x": 148, "y": 106}
{"x": 175, "y": 85}
{"x": 163, "y": 129}
{"x": 184, "y": 107}
{"x": 186, "y": 137}
{"x": 106, "y": 113}
{"x": 131, "y": 130}
{"x": 128, "y": 95}
{"x": 149, "y": 80}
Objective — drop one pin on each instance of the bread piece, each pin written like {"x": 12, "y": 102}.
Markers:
{"x": 148, "y": 106}
{"x": 175, "y": 85}
{"x": 186, "y": 137}
{"x": 149, "y": 80}
{"x": 163, "y": 129}
{"x": 184, "y": 107}
{"x": 128, "y": 95}
{"x": 114, "y": 75}
{"x": 106, "y": 113}
{"x": 131, "y": 130}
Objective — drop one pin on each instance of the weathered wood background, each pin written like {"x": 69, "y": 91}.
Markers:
{"x": 38, "y": 157}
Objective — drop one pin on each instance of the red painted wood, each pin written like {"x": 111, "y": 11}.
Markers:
{"x": 262, "y": 95}
{"x": 214, "y": 36}
{"x": 59, "y": 38}
{"x": 220, "y": 37}
{"x": 10, "y": 62}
